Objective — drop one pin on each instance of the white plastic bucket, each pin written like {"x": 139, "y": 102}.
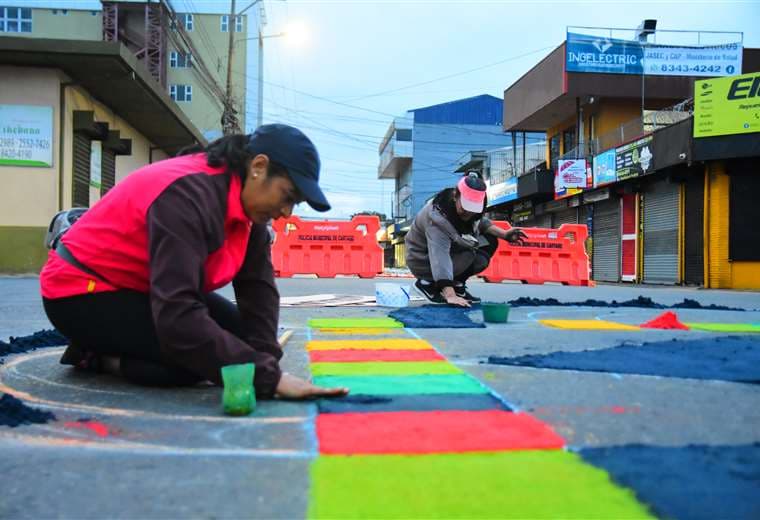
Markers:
{"x": 392, "y": 294}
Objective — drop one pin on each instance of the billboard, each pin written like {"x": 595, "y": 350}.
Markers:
{"x": 502, "y": 192}
{"x": 726, "y": 106}
{"x": 604, "y": 168}
{"x": 634, "y": 159}
{"x": 587, "y": 53}
{"x": 571, "y": 173}
{"x": 26, "y": 135}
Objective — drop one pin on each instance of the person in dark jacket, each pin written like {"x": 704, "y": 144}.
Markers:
{"x": 131, "y": 284}
{"x": 450, "y": 240}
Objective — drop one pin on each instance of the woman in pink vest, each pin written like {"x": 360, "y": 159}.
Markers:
{"x": 132, "y": 283}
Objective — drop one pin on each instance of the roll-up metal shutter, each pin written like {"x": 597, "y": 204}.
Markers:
{"x": 568, "y": 216}
{"x": 542, "y": 221}
{"x": 661, "y": 201}
{"x": 108, "y": 174}
{"x": 80, "y": 194}
{"x": 694, "y": 237}
{"x": 606, "y": 242}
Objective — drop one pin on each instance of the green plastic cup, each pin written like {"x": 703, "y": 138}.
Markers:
{"x": 495, "y": 312}
{"x": 238, "y": 398}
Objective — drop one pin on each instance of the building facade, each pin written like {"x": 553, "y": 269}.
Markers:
{"x": 622, "y": 158}
{"x": 71, "y": 128}
{"x": 186, "y": 53}
{"x": 420, "y": 151}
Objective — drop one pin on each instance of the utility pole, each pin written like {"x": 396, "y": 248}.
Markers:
{"x": 230, "y": 124}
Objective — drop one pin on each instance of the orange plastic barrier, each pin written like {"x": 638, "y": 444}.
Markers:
{"x": 327, "y": 248}
{"x": 548, "y": 255}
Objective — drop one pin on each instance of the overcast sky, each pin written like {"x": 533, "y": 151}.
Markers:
{"x": 345, "y": 82}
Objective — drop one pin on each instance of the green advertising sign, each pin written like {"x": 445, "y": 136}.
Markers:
{"x": 726, "y": 106}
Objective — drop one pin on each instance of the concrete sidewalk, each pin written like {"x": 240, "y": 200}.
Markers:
{"x": 121, "y": 451}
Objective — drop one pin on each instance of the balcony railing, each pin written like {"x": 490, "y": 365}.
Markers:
{"x": 514, "y": 162}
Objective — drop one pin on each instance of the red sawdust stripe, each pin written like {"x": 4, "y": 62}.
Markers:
{"x": 432, "y": 432}
{"x": 338, "y": 356}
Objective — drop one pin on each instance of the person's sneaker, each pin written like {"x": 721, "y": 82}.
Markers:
{"x": 429, "y": 291}
{"x": 462, "y": 292}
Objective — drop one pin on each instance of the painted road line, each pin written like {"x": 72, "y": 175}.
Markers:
{"x": 405, "y": 385}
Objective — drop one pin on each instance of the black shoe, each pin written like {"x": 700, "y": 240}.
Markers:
{"x": 430, "y": 292}
{"x": 81, "y": 359}
{"x": 462, "y": 292}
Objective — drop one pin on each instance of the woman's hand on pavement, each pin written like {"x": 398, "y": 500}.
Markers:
{"x": 292, "y": 387}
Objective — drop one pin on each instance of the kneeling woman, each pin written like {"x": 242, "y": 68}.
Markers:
{"x": 450, "y": 241}
{"x": 131, "y": 283}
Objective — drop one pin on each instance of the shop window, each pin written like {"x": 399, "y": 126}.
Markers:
{"x": 568, "y": 140}
{"x": 15, "y": 19}
{"x": 404, "y": 134}
{"x": 553, "y": 151}
{"x": 744, "y": 238}
{"x": 181, "y": 92}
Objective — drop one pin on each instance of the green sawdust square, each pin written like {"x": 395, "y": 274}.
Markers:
{"x": 725, "y": 327}
{"x": 383, "y": 368}
{"x": 350, "y": 323}
{"x": 405, "y": 385}
{"x": 516, "y": 484}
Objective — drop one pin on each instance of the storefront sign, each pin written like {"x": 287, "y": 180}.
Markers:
{"x": 502, "y": 192}
{"x": 709, "y": 61}
{"x": 726, "y": 106}
{"x": 571, "y": 173}
{"x": 26, "y": 136}
{"x": 587, "y": 53}
{"x": 604, "y": 168}
{"x": 634, "y": 159}
{"x": 522, "y": 215}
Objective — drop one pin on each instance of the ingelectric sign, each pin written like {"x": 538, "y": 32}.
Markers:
{"x": 726, "y": 106}
{"x": 586, "y": 53}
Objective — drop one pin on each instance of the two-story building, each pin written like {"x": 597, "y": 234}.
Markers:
{"x": 620, "y": 156}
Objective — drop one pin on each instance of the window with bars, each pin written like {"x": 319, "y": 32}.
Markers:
{"x": 179, "y": 60}
{"x": 181, "y": 92}
{"x": 15, "y": 19}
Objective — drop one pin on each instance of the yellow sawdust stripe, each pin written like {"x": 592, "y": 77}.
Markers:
{"x": 588, "y": 325}
{"x": 369, "y": 344}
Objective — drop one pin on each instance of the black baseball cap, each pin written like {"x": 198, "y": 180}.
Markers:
{"x": 290, "y": 148}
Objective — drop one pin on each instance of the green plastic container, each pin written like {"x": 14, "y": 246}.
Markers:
{"x": 239, "y": 397}
{"x": 495, "y": 312}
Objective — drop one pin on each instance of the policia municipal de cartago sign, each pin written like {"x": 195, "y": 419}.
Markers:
{"x": 727, "y": 106}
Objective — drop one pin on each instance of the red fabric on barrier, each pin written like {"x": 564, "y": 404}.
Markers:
{"x": 338, "y": 356}
{"x": 432, "y": 432}
{"x": 666, "y": 320}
